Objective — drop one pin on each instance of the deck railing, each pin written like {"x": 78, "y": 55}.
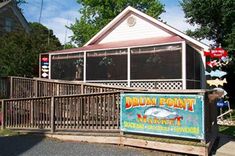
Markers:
{"x": 20, "y": 87}
{"x": 90, "y": 112}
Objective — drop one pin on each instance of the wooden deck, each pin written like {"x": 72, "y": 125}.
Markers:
{"x": 53, "y": 107}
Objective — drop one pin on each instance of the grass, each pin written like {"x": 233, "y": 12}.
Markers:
{"x": 166, "y": 140}
{"x": 228, "y": 130}
{"x": 7, "y": 132}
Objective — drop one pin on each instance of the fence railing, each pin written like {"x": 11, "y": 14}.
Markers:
{"x": 20, "y": 87}
{"x": 94, "y": 112}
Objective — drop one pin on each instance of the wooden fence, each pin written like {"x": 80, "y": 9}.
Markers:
{"x": 4, "y": 87}
{"x": 20, "y": 87}
{"x": 90, "y": 112}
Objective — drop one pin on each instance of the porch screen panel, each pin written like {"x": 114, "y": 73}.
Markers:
{"x": 67, "y": 67}
{"x": 193, "y": 64}
{"x": 159, "y": 62}
{"x": 107, "y": 65}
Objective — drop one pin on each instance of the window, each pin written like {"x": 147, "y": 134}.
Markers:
{"x": 67, "y": 67}
{"x": 107, "y": 65}
{"x": 8, "y": 24}
{"x": 193, "y": 64}
{"x": 159, "y": 62}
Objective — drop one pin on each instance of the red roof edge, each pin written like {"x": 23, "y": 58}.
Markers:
{"x": 124, "y": 44}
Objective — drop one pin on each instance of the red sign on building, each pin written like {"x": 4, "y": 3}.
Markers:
{"x": 216, "y": 53}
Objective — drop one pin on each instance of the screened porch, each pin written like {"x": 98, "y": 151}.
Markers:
{"x": 167, "y": 66}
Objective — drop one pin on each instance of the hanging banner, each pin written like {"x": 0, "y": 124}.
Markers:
{"x": 163, "y": 114}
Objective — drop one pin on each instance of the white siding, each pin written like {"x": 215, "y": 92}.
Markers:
{"x": 142, "y": 29}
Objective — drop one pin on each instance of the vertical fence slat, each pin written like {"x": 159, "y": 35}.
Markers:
{"x": 11, "y": 87}
{"x": 96, "y": 114}
{"x": 108, "y": 106}
{"x": 11, "y": 112}
{"x": 52, "y": 115}
{"x": 3, "y": 114}
{"x": 88, "y": 111}
{"x": 118, "y": 110}
{"x": 61, "y": 111}
{"x": 104, "y": 104}
{"x": 81, "y": 112}
{"x": 113, "y": 112}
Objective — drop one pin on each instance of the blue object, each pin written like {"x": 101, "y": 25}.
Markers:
{"x": 221, "y": 103}
{"x": 216, "y": 73}
{"x": 44, "y": 63}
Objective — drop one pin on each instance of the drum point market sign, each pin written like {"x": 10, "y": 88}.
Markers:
{"x": 163, "y": 114}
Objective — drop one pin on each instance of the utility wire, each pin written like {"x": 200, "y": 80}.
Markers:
{"x": 66, "y": 32}
{"x": 40, "y": 15}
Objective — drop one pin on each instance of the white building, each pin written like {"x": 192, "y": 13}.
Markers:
{"x": 133, "y": 50}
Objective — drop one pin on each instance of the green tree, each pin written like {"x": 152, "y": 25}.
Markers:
{"x": 43, "y": 39}
{"x": 69, "y": 45}
{"x": 19, "y": 51}
{"x": 18, "y": 2}
{"x": 95, "y": 14}
{"x": 215, "y": 18}
{"x": 216, "y": 21}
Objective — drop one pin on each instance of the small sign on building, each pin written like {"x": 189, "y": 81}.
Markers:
{"x": 44, "y": 65}
{"x": 216, "y": 53}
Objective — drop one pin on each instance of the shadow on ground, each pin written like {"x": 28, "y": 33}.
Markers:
{"x": 16, "y": 145}
{"x": 221, "y": 141}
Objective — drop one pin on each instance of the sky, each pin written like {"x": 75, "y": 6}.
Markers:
{"x": 56, "y": 14}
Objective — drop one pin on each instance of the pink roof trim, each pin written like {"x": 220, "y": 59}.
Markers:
{"x": 123, "y": 44}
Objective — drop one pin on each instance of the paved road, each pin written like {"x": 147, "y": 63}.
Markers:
{"x": 40, "y": 146}
{"x": 226, "y": 146}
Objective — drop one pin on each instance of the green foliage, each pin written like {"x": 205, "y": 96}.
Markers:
{"x": 216, "y": 19}
{"x": 43, "y": 39}
{"x": 227, "y": 130}
{"x": 19, "y": 51}
{"x": 18, "y": 2}
{"x": 69, "y": 46}
{"x": 7, "y": 132}
{"x": 95, "y": 14}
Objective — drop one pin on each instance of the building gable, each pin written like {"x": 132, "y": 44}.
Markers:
{"x": 113, "y": 32}
{"x": 10, "y": 15}
{"x": 132, "y": 27}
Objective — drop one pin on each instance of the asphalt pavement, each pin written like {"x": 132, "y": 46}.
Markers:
{"x": 225, "y": 146}
{"x": 31, "y": 145}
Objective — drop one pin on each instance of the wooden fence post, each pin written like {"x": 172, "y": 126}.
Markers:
{"x": 35, "y": 88}
{"x": 82, "y": 89}
{"x": 3, "y": 115}
{"x": 11, "y": 87}
{"x": 57, "y": 89}
{"x": 32, "y": 113}
{"x": 52, "y": 114}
